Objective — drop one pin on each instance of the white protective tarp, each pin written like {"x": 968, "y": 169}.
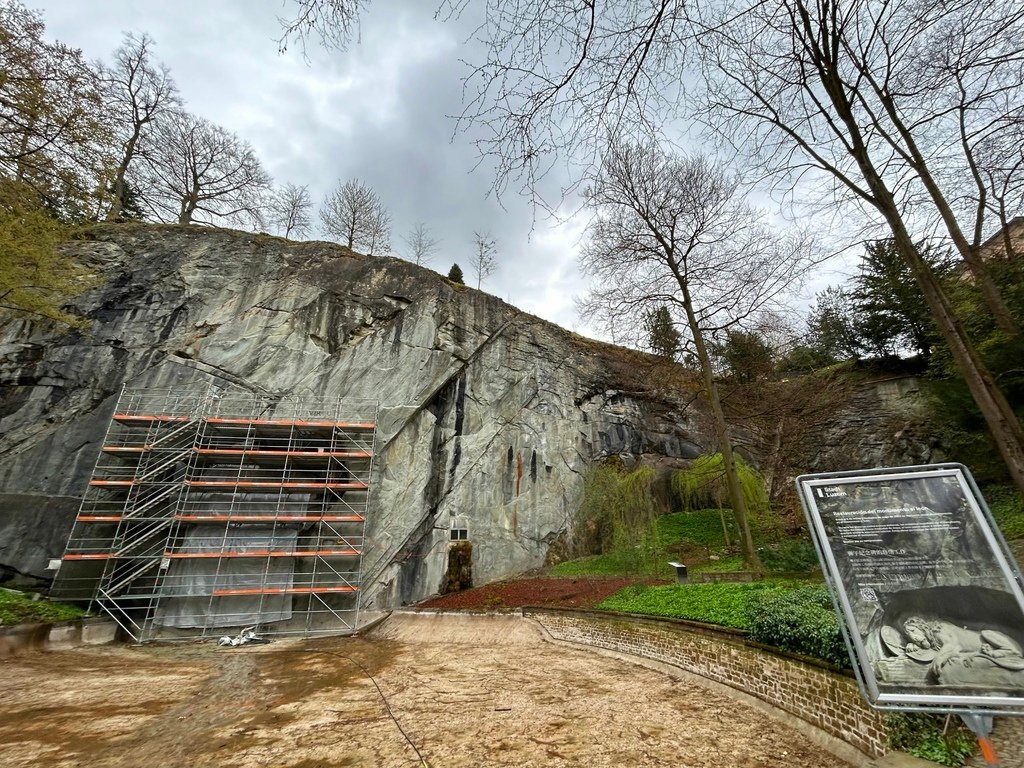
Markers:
{"x": 188, "y": 595}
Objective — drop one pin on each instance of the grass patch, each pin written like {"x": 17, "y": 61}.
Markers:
{"x": 790, "y": 556}
{"x": 724, "y": 604}
{"x": 702, "y": 527}
{"x": 610, "y": 564}
{"x": 17, "y": 608}
{"x": 725, "y": 564}
{"x": 1007, "y": 507}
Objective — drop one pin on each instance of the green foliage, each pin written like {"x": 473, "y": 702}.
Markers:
{"x": 882, "y": 313}
{"x": 17, "y": 608}
{"x": 790, "y": 556}
{"x": 725, "y": 604}
{"x": 1007, "y": 506}
{"x": 931, "y": 737}
{"x": 725, "y": 564}
{"x": 956, "y": 418}
{"x": 671, "y": 533}
{"x": 616, "y": 516}
{"x": 890, "y": 311}
{"x": 455, "y": 275}
{"x": 802, "y": 621}
{"x": 830, "y": 329}
{"x": 702, "y": 486}
{"x": 610, "y": 564}
{"x": 662, "y": 337}
{"x": 746, "y": 356}
{"x": 701, "y": 526}
{"x": 55, "y": 139}
{"x": 35, "y": 278}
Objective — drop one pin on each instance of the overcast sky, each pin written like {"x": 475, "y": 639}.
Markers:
{"x": 379, "y": 111}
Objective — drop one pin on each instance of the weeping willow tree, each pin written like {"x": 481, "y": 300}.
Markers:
{"x": 617, "y": 514}
{"x": 704, "y": 485}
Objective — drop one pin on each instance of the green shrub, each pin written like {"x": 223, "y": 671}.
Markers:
{"x": 802, "y": 620}
{"x": 18, "y": 608}
{"x": 928, "y": 737}
{"x": 725, "y": 604}
{"x": 790, "y": 556}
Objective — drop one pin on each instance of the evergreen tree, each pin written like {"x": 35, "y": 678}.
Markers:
{"x": 890, "y": 310}
{"x": 830, "y": 327}
{"x": 662, "y": 337}
{"x": 746, "y": 356}
{"x": 455, "y": 275}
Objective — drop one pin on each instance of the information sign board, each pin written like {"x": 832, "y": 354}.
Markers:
{"x": 931, "y": 599}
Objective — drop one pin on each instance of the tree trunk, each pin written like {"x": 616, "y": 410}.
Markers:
{"x": 732, "y": 480}
{"x": 1002, "y": 421}
{"x": 118, "y": 188}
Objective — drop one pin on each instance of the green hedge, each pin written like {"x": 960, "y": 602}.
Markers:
{"x": 725, "y": 604}
{"x": 800, "y": 620}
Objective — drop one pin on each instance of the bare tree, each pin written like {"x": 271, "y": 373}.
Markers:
{"x": 334, "y": 21}
{"x": 672, "y": 232}
{"x": 422, "y": 245}
{"x": 898, "y": 106}
{"x": 289, "y": 210}
{"x": 198, "y": 172}
{"x": 378, "y": 235}
{"x": 354, "y": 215}
{"x": 136, "y": 91}
{"x": 908, "y": 110}
{"x": 484, "y": 260}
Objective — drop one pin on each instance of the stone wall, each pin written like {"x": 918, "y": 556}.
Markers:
{"x": 812, "y": 692}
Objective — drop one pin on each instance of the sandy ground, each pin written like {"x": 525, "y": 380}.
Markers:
{"x": 479, "y": 693}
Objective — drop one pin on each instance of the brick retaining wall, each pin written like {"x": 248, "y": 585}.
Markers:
{"x": 815, "y": 693}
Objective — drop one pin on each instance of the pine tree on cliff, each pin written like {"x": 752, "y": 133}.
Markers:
{"x": 455, "y": 274}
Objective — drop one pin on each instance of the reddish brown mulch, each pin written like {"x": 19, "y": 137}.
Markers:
{"x": 555, "y": 592}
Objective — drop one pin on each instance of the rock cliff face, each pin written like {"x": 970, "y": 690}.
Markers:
{"x": 487, "y": 414}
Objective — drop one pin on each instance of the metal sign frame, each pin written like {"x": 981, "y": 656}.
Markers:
{"x": 903, "y": 547}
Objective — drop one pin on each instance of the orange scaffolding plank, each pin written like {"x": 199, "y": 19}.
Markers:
{"x": 266, "y": 553}
{"x": 292, "y": 423}
{"x": 271, "y": 518}
{"x": 282, "y": 591}
{"x": 260, "y": 452}
{"x": 311, "y": 485}
{"x": 100, "y": 556}
{"x": 125, "y": 449}
{"x": 98, "y": 518}
{"x": 263, "y": 484}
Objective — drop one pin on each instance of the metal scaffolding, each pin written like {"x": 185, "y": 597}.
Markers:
{"x": 220, "y": 510}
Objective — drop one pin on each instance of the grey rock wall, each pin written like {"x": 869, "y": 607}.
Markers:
{"x": 487, "y": 414}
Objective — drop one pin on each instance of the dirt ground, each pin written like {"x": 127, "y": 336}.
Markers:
{"x": 422, "y": 690}
{"x": 555, "y": 592}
